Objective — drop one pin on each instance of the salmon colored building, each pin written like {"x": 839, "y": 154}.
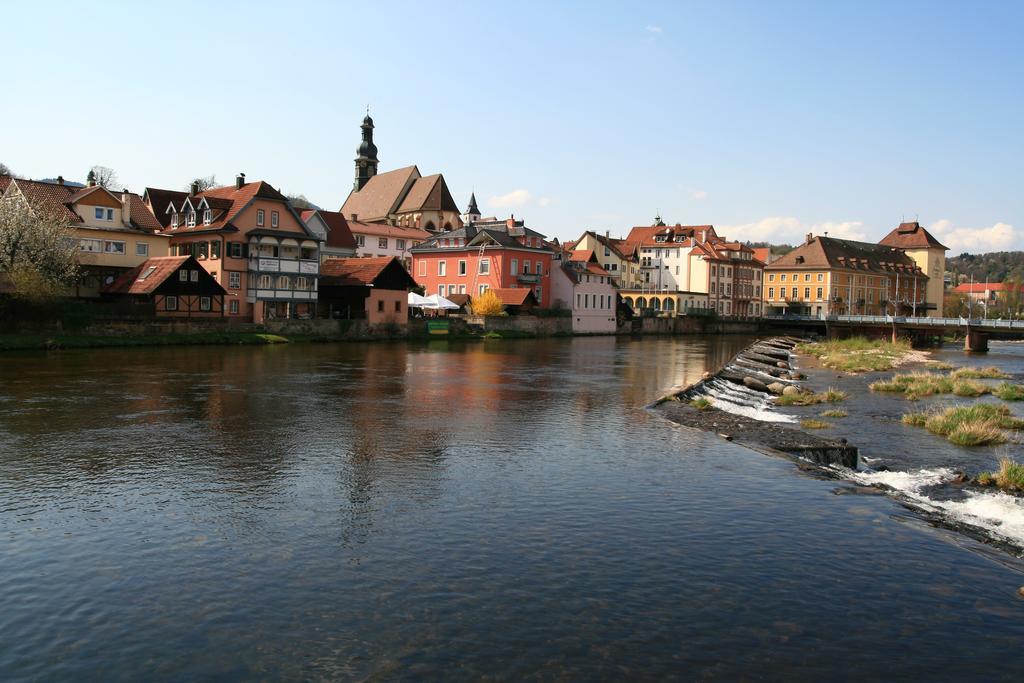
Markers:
{"x": 251, "y": 240}
{"x": 482, "y": 256}
{"x": 374, "y": 289}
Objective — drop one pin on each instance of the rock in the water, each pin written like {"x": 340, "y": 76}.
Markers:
{"x": 791, "y": 391}
{"x": 782, "y": 364}
{"x": 1020, "y": 592}
{"x": 755, "y": 384}
{"x": 777, "y": 388}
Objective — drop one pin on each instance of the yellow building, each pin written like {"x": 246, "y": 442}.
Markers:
{"x": 116, "y": 231}
{"x": 619, "y": 258}
{"x": 828, "y": 276}
{"x": 928, "y": 254}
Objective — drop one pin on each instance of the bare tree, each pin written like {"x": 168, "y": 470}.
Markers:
{"x": 37, "y": 250}
{"x": 5, "y": 169}
{"x": 204, "y": 183}
{"x": 104, "y": 177}
{"x": 299, "y": 201}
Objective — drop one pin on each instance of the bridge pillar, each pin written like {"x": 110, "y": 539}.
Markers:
{"x": 976, "y": 341}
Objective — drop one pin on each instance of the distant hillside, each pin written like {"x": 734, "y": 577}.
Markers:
{"x": 994, "y": 267}
{"x": 776, "y": 249}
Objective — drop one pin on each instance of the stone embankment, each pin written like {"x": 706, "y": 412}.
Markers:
{"x": 730, "y": 401}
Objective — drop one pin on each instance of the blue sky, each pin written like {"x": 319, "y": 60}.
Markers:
{"x": 767, "y": 120}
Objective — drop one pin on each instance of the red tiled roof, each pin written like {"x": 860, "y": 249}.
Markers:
{"x": 159, "y": 199}
{"x": 380, "y": 195}
{"x": 49, "y": 197}
{"x": 583, "y": 255}
{"x": 384, "y": 230}
{"x": 129, "y": 282}
{"x": 762, "y": 254}
{"x": 514, "y": 296}
{"x": 5, "y": 180}
{"x": 982, "y": 287}
{"x": 338, "y": 233}
{"x": 911, "y": 236}
{"x": 353, "y": 271}
{"x": 227, "y": 201}
{"x": 428, "y": 192}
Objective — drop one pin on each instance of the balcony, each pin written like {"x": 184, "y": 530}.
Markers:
{"x": 271, "y": 264}
{"x": 528, "y": 278}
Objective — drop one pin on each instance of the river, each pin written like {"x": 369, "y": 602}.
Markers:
{"x": 501, "y": 509}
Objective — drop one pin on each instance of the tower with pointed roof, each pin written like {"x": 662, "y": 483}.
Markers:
{"x": 472, "y": 212}
{"x": 366, "y": 161}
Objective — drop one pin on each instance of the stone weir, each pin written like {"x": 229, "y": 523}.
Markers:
{"x": 741, "y": 396}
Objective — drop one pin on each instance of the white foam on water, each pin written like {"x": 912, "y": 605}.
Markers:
{"x": 997, "y": 513}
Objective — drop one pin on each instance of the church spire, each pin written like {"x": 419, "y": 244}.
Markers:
{"x": 366, "y": 162}
{"x": 472, "y": 212}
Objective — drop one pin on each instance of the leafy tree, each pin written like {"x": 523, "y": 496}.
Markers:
{"x": 487, "y": 303}
{"x": 37, "y": 250}
{"x": 105, "y": 177}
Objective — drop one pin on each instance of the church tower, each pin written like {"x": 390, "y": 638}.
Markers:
{"x": 366, "y": 162}
{"x": 472, "y": 213}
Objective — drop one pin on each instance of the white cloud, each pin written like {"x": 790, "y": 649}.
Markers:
{"x": 653, "y": 29}
{"x": 512, "y": 199}
{"x": 790, "y": 230}
{"x": 698, "y": 194}
{"x": 998, "y": 237}
{"x": 544, "y": 201}
{"x": 848, "y": 230}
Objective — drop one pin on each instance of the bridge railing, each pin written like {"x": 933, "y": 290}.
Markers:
{"x": 903, "y": 320}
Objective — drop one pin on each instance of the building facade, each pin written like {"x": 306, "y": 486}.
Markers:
{"x": 929, "y": 255}
{"x": 580, "y": 283}
{"x": 380, "y": 239}
{"x": 485, "y": 255}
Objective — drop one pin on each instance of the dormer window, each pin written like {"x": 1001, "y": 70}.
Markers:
{"x": 207, "y": 216}
{"x": 174, "y": 220}
{"x": 190, "y": 219}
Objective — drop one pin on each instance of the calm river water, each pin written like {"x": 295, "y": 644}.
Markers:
{"x": 499, "y": 509}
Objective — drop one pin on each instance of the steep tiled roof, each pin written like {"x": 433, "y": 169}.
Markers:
{"x": 338, "y": 233}
{"x": 347, "y": 272}
{"x": 384, "y": 230}
{"x": 428, "y": 193}
{"x": 514, "y": 296}
{"x": 829, "y": 252}
{"x": 159, "y": 199}
{"x": 5, "y": 180}
{"x": 153, "y": 272}
{"x": 141, "y": 216}
{"x": 762, "y": 254}
{"x": 911, "y": 236}
{"x": 225, "y": 202}
{"x": 381, "y": 194}
{"x": 583, "y": 255}
{"x": 49, "y": 197}
{"x": 474, "y": 234}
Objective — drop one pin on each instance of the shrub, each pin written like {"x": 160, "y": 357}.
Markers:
{"x": 1010, "y": 392}
{"x": 1010, "y": 475}
{"x": 814, "y": 424}
{"x": 915, "y": 419}
{"x": 487, "y": 303}
{"x": 977, "y": 434}
{"x": 833, "y": 395}
{"x": 990, "y": 372}
{"x": 969, "y": 388}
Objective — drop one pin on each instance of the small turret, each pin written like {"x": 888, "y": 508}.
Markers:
{"x": 472, "y": 212}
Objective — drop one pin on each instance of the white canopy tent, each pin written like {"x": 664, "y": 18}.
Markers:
{"x": 417, "y": 301}
{"x": 438, "y": 302}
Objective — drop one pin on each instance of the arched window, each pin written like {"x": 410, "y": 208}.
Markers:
{"x": 430, "y": 227}
{"x": 670, "y": 305}
{"x": 641, "y": 302}
{"x": 656, "y": 303}
{"x": 448, "y": 227}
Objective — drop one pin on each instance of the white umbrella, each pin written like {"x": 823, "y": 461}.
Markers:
{"x": 418, "y": 301}
{"x": 439, "y": 302}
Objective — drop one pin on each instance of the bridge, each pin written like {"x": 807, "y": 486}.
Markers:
{"x": 976, "y": 331}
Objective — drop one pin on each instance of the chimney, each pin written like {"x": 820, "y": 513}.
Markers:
{"x": 195, "y": 188}
{"x": 239, "y": 181}
{"x": 511, "y": 222}
{"x": 810, "y": 238}
{"x": 703, "y": 235}
{"x": 60, "y": 180}
{"x": 607, "y": 234}
{"x": 126, "y": 206}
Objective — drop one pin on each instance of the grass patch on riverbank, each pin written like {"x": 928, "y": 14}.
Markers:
{"x": 857, "y": 354}
{"x": 1009, "y": 392}
{"x": 915, "y": 385}
{"x": 1010, "y": 475}
{"x": 700, "y": 403}
{"x": 990, "y": 372}
{"x": 814, "y": 424}
{"x": 30, "y": 342}
{"x": 978, "y": 425}
{"x": 835, "y": 412}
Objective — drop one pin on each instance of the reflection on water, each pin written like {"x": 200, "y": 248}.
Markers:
{"x": 449, "y": 510}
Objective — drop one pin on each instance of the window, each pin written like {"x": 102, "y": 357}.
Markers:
{"x": 235, "y": 249}
{"x": 204, "y": 249}
{"x": 526, "y": 267}
{"x": 771, "y": 277}
{"x": 214, "y": 249}
{"x": 183, "y": 275}
{"x": 171, "y": 303}
{"x": 110, "y": 214}
{"x": 442, "y": 266}
{"x": 819, "y": 293}
{"x": 540, "y": 268}
{"x": 398, "y": 307}
{"x": 282, "y": 282}
{"x": 807, "y": 277}
{"x": 400, "y": 245}
{"x": 174, "y": 220}
{"x": 275, "y": 219}
{"x": 234, "y": 280}
{"x": 807, "y": 292}
{"x": 99, "y": 214}
{"x": 483, "y": 288}
{"x": 360, "y": 241}
{"x": 771, "y": 292}
{"x": 451, "y": 289}
{"x": 190, "y": 219}
{"x": 111, "y": 247}
{"x": 90, "y": 245}
{"x": 259, "y": 217}
{"x": 266, "y": 282}
{"x": 141, "y": 249}
{"x": 440, "y": 290}
{"x": 714, "y": 270}
{"x": 462, "y": 289}
{"x": 783, "y": 277}
{"x": 537, "y": 291}
{"x": 422, "y": 268}
{"x": 794, "y": 293}
{"x": 193, "y": 275}
{"x": 462, "y": 267}
{"x": 382, "y": 242}
{"x": 821, "y": 277}
{"x": 205, "y": 303}
{"x": 301, "y": 283}
{"x": 233, "y": 307}
{"x": 380, "y": 305}
{"x": 207, "y": 216}
{"x": 485, "y": 267}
